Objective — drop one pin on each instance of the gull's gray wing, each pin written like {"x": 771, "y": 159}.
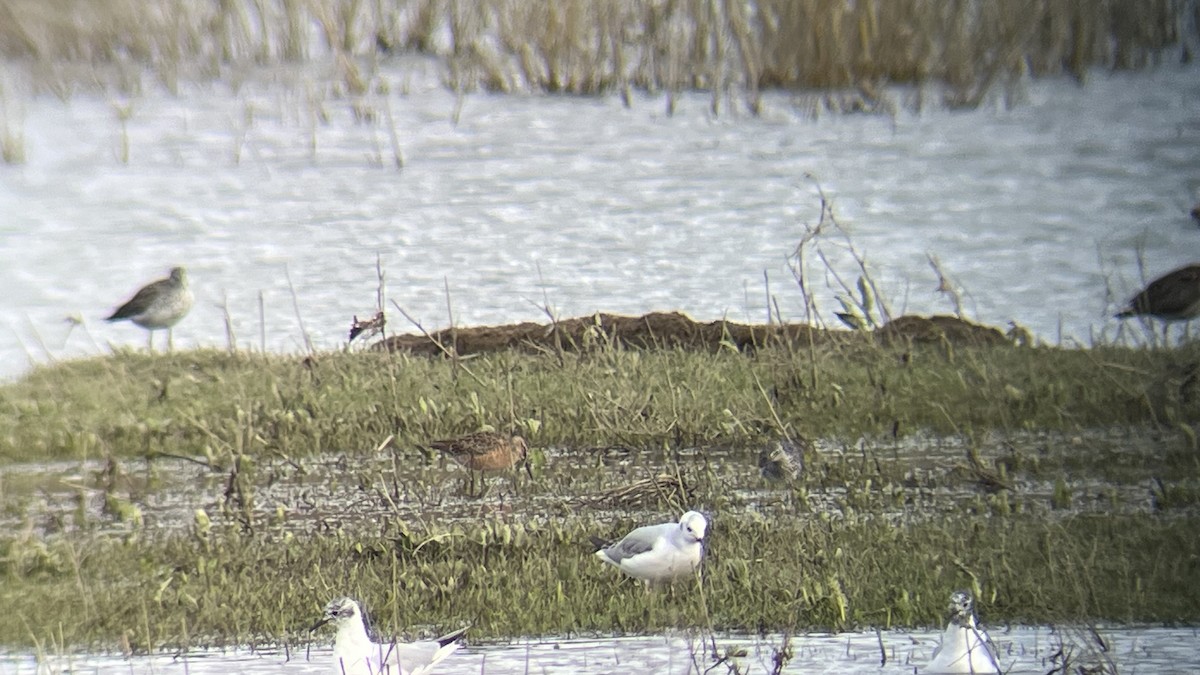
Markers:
{"x": 636, "y": 542}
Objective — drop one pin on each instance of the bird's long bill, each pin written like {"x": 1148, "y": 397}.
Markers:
{"x": 320, "y": 622}
{"x": 528, "y": 468}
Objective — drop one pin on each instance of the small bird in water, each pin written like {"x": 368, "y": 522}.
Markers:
{"x": 369, "y": 327}
{"x": 658, "y": 553}
{"x": 486, "y": 451}
{"x": 354, "y": 653}
{"x": 1175, "y": 296}
{"x": 965, "y": 647}
{"x": 160, "y": 304}
{"x": 783, "y": 461}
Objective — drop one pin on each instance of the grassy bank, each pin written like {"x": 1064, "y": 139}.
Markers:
{"x": 588, "y": 47}
{"x": 218, "y": 404}
{"x": 196, "y": 478}
{"x": 790, "y": 575}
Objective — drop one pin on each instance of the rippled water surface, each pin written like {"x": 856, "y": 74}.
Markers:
{"x": 1023, "y": 650}
{"x": 283, "y": 193}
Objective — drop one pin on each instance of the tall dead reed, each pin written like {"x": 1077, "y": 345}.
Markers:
{"x": 588, "y": 47}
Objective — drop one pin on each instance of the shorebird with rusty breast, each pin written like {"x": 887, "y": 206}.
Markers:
{"x": 485, "y": 451}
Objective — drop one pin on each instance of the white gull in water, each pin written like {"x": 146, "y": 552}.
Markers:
{"x": 355, "y": 654}
{"x": 658, "y": 553}
{"x": 965, "y": 647}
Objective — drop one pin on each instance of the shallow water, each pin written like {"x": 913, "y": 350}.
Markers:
{"x": 283, "y": 193}
{"x": 348, "y": 492}
{"x": 1022, "y": 650}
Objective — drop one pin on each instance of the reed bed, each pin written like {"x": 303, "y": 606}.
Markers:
{"x": 584, "y": 47}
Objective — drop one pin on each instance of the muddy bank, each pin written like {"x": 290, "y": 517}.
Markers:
{"x": 667, "y": 330}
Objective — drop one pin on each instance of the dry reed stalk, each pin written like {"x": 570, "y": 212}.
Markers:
{"x": 596, "y": 46}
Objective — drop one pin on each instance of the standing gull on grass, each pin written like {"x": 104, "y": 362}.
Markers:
{"x": 965, "y": 647}
{"x": 658, "y": 553}
{"x": 486, "y": 451}
{"x": 157, "y": 305}
{"x": 355, "y": 654}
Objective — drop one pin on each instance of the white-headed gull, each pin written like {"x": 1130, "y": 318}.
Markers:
{"x": 355, "y": 654}
{"x": 658, "y": 553}
{"x": 965, "y": 647}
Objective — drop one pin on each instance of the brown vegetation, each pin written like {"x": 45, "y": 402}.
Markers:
{"x": 676, "y": 330}
{"x": 581, "y": 46}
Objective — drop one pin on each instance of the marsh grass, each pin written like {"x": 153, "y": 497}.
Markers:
{"x": 788, "y": 575}
{"x": 732, "y": 49}
{"x": 869, "y": 535}
{"x": 215, "y": 404}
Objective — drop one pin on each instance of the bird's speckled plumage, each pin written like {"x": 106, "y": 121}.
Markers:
{"x": 485, "y": 450}
{"x": 159, "y": 304}
{"x": 1175, "y": 296}
{"x": 784, "y": 460}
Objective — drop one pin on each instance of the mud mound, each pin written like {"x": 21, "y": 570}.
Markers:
{"x": 669, "y": 330}
{"x": 935, "y": 329}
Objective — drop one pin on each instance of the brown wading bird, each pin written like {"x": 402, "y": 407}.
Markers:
{"x": 486, "y": 451}
{"x": 160, "y": 304}
{"x": 1175, "y": 296}
{"x": 784, "y": 461}
{"x": 368, "y": 327}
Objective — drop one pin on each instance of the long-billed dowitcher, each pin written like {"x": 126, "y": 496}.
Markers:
{"x": 159, "y": 304}
{"x": 355, "y": 654}
{"x": 486, "y": 451}
{"x": 965, "y": 647}
{"x": 658, "y": 553}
